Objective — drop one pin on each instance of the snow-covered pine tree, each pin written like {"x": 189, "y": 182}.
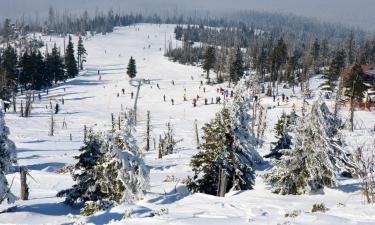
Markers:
{"x": 228, "y": 143}
{"x": 342, "y": 161}
{"x": 284, "y": 140}
{"x": 241, "y": 122}
{"x": 110, "y": 170}
{"x": 316, "y": 157}
{"x": 85, "y": 173}
{"x": 124, "y": 175}
{"x": 7, "y": 158}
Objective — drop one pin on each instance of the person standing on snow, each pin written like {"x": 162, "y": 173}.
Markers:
{"x": 194, "y": 102}
{"x": 57, "y": 108}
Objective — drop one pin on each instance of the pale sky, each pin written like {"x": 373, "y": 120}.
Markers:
{"x": 350, "y": 12}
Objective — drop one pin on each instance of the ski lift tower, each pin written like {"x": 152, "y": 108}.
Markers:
{"x": 137, "y": 83}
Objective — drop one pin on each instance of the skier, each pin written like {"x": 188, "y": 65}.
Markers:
{"x": 57, "y": 108}
{"x": 62, "y": 100}
{"x": 164, "y": 98}
{"x": 204, "y": 90}
{"x": 98, "y": 72}
{"x": 157, "y": 85}
{"x": 231, "y": 93}
{"x": 39, "y": 97}
{"x": 283, "y": 97}
{"x": 123, "y": 91}
{"x": 100, "y": 77}
{"x": 185, "y": 99}
{"x": 194, "y": 102}
{"x": 201, "y": 83}
{"x": 172, "y": 82}
{"x": 131, "y": 95}
{"x": 205, "y": 101}
{"x": 274, "y": 98}
{"x": 172, "y": 101}
{"x": 118, "y": 95}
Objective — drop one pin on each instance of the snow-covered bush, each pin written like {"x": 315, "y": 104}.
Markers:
{"x": 7, "y": 158}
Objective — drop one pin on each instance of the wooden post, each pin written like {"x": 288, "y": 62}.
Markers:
{"x": 22, "y": 115}
{"x": 113, "y": 122}
{"x": 196, "y": 132}
{"x": 52, "y": 124}
{"x": 84, "y": 133}
{"x": 148, "y": 132}
{"x": 222, "y": 188}
{"x": 119, "y": 121}
{"x": 24, "y": 187}
{"x": 160, "y": 154}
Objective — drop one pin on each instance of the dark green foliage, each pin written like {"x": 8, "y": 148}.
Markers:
{"x": 33, "y": 71}
{"x": 354, "y": 84}
{"x": 70, "y": 60}
{"x": 86, "y": 175}
{"x": 55, "y": 67}
{"x": 236, "y": 67}
{"x": 209, "y": 60}
{"x": 335, "y": 68}
{"x": 131, "y": 69}
{"x": 218, "y": 152}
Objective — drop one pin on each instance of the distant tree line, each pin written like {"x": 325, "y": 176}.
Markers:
{"x": 276, "y": 55}
{"x": 32, "y": 70}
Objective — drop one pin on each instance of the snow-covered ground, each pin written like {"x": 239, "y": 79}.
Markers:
{"x": 90, "y": 101}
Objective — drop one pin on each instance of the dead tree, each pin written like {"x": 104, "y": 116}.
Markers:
{"x": 28, "y": 104}
{"x": 366, "y": 173}
{"x": 196, "y": 133}
{"x": 148, "y": 131}
{"x": 51, "y": 125}
{"x": 24, "y": 187}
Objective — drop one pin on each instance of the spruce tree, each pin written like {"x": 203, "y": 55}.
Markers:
{"x": 85, "y": 173}
{"x": 110, "y": 171}
{"x": 132, "y": 69}
{"x": 54, "y": 67}
{"x": 209, "y": 60}
{"x": 335, "y": 68}
{"x": 81, "y": 53}
{"x": 316, "y": 158}
{"x": 354, "y": 84}
{"x": 229, "y": 144}
{"x": 70, "y": 60}
{"x": 7, "y": 158}
{"x": 236, "y": 67}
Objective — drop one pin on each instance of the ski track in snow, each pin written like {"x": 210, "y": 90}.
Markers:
{"x": 90, "y": 101}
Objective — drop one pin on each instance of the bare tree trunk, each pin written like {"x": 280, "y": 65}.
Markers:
{"x": 24, "y": 187}
{"x": 196, "y": 133}
{"x": 148, "y": 130}
{"x": 52, "y": 125}
{"x": 222, "y": 186}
